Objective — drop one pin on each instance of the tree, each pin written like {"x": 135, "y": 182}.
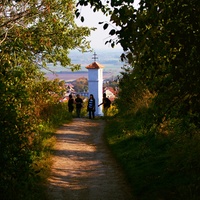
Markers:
{"x": 40, "y": 32}
{"x": 32, "y": 34}
{"x": 161, "y": 41}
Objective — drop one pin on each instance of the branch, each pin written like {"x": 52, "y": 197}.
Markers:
{"x": 6, "y": 34}
{"x": 4, "y": 38}
{"x": 20, "y": 15}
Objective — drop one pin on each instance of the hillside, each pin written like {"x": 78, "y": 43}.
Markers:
{"x": 71, "y": 76}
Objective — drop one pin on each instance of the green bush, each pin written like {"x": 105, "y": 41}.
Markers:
{"x": 30, "y": 112}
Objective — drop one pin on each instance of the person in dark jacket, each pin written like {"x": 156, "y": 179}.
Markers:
{"x": 79, "y": 105}
{"x": 91, "y": 106}
{"x": 70, "y": 104}
{"x": 106, "y": 104}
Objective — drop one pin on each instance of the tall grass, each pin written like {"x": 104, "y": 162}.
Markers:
{"x": 159, "y": 165}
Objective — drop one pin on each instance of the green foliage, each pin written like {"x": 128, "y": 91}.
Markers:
{"x": 32, "y": 33}
{"x": 158, "y": 167}
{"x": 40, "y": 31}
{"x": 18, "y": 126}
{"x": 161, "y": 44}
{"x": 27, "y": 101}
{"x": 156, "y": 134}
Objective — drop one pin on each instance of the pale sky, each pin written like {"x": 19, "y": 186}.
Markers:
{"x": 100, "y": 36}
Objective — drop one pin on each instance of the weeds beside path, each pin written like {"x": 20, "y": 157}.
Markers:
{"x": 83, "y": 168}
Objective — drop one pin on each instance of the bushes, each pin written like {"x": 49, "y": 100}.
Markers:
{"x": 156, "y": 137}
{"x": 159, "y": 151}
{"x": 29, "y": 112}
{"x": 161, "y": 162}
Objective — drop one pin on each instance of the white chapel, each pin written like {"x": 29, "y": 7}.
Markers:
{"x": 95, "y": 84}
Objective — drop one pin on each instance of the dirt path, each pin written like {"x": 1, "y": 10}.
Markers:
{"x": 83, "y": 167}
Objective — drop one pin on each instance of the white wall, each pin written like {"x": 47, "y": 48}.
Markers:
{"x": 95, "y": 87}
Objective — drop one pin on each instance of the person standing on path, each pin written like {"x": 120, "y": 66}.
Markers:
{"x": 79, "y": 105}
{"x": 106, "y": 104}
{"x": 91, "y": 106}
{"x": 70, "y": 104}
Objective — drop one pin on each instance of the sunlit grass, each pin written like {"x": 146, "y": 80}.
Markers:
{"x": 158, "y": 166}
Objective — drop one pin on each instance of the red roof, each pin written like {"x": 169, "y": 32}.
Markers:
{"x": 94, "y": 65}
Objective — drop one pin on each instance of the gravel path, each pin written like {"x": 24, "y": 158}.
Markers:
{"x": 83, "y": 168}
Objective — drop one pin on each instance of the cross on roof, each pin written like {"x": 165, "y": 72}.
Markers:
{"x": 95, "y": 57}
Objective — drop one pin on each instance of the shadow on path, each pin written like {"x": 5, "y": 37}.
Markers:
{"x": 83, "y": 168}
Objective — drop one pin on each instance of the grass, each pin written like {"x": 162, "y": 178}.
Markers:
{"x": 157, "y": 166}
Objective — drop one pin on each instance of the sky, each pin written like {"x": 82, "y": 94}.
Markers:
{"x": 99, "y": 36}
